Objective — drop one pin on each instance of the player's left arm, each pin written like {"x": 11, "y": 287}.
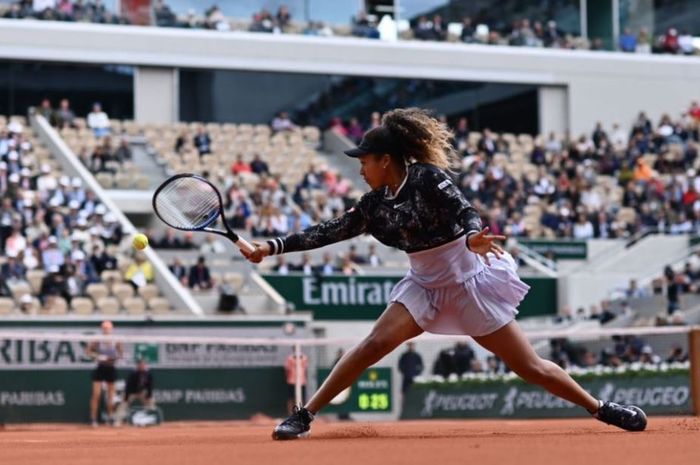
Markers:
{"x": 440, "y": 188}
{"x": 443, "y": 191}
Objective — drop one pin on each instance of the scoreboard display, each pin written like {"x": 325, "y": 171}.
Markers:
{"x": 371, "y": 393}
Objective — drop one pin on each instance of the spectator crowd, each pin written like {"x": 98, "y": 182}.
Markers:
{"x": 524, "y": 32}
{"x": 51, "y": 226}
{"x": 623, "y": 352}
{"x": 87, "y": 11}
{"x": 610, "y": 183}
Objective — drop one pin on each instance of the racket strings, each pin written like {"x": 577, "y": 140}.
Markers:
{"x": 188, "y": 203}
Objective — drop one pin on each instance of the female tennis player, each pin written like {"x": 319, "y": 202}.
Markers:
{"x": 460, "y": 280}
{"x": 106, "y": 354}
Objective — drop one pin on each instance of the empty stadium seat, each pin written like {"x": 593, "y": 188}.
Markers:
{"x": 56, "y": 306}
{"x": 134, "y": 305}
{"x": 122, "y": 291}
{"x": 35, "y": 277}
{"x": 148, "y": 291}
{"x": 19, "y": 289}
{"x": 7, "y": 305}
{"x": 234, "y": 279}
{"x": 159, "y": 305}
{"x": 108, "y": 305}
{"x": 82, "y": 305}
{"x": 110, "y": 277}
{"x": 97, "y": 291}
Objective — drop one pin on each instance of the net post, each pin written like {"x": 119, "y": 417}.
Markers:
{"x": 297, "y": 381}
{"x": 694, "y": 355}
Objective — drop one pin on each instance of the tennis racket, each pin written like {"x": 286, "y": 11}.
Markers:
{"x": 191, "y": 203}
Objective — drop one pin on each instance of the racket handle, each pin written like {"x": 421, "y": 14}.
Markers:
{"x": 245, "y": 245}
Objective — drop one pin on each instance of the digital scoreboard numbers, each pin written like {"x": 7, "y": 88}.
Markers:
{"x": 370, "y": 393}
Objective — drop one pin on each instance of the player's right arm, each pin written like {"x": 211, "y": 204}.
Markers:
{"x": 92, "y": 352}
{"x": 352, "y": 223}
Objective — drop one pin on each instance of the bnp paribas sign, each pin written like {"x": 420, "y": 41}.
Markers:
{"x": 336, "y": 297}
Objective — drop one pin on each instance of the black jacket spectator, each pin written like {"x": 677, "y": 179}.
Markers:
{"x": 53, "y": 285}
{"x": 12, "y": 269}
{"x": 463, "y": 357}
{"x": 140, "y": 381}
{"x": 164, "y": 15}
{"x": 102, "y": 261}
{"x": 178, "y": 270}
{"x": 169, "y": 241}
{"x": 410, "y": 366}
{"x": 258, "y": 166}
{"x": 123, "y": 152}
{"x": 202, "y": 142}
{"x": 199, "y": 275}
{"x": 444, "y": 364}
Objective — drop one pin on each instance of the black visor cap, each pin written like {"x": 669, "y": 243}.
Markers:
{"x": 378, "y": 141}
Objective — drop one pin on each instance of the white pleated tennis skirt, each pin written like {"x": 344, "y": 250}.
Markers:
{"x": 450, "y": 290}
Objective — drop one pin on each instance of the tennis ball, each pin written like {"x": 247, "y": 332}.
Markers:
{"x": 140, "y": 241}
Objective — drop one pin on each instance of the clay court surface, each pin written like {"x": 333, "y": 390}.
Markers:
{"x": 668, "y": 440}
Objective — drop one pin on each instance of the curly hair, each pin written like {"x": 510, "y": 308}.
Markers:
{"x": 421, "y": 137}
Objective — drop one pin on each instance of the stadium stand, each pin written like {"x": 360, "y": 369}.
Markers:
{"x": 520, "y": 32}
{"x": 60, "y": 246}
{"x": 606, "y": 184}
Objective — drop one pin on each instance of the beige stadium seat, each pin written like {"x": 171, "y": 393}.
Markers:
{"x": 20, "y": 289}
{"x": 111, "y": 277}
{"x": 312, "y": 134}
{"x": 235, "y": 279}
{"x": 57, "y": 306}
{"x": 108, "y": 305}
{"x": 105, "y": 180}
{"x": 122, "y": 291}
{"x": 7, "y": 305}
{"x": 97, "y": 291}
{"x": 33, "y": 309}
{"x": 35, "y": 277}
{"x": 159, "y": 305}
{"x": 123, "y": 181}
{"x": 627, "y": 215}
{"x": 82, "y": 305}
{"x": 143, "y": 183}
{"x": 148, "y": 292}
{"x": 135, "y": 306}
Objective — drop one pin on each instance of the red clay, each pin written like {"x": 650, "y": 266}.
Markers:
{"x": 667, "y": 440}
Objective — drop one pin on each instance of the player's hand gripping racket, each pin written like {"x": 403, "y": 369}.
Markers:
{"x": 191, "y": 203}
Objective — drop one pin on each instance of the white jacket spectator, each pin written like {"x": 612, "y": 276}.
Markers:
{"x": 15, "y": 244}
{"x": 52, "y": 257}
{"x": 98, "y": 121}
{"x": 685, "y": 43}
{"x": 41, "y": 5}
{"x": 282, "y": 123}
{"x": 583, "y": 229}
{"x": 279, "y": 223}
{"x": 212, "y": 246}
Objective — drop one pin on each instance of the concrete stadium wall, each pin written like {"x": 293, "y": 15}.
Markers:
{"x": 600, "y": 86}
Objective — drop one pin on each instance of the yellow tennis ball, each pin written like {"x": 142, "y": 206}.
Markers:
{"x": 140, "y": 241}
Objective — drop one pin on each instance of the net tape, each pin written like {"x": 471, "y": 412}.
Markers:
{"x": 179, "y": 339}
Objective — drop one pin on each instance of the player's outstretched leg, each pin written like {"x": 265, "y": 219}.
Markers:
{"x": 510, "y": 344}
{"x": 395, "y": 326}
